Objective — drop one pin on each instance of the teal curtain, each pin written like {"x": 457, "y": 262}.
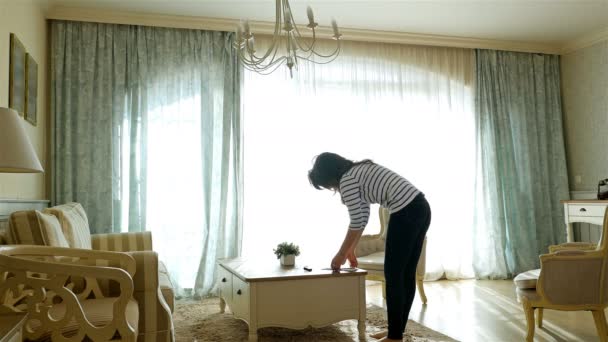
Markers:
{"x": 147, "y": 136}
{"x": 521, "y": 164}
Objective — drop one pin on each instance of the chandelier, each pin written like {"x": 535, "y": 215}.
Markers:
{"x": 288, "y": 45}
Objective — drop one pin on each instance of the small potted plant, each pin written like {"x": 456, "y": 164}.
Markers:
{"x": 287, "y": 252}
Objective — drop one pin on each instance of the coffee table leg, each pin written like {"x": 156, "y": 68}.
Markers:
{"x": 362, "y": 309}
{"x": 253, "y": 333}
{"x": 222, "y": 305}
{"x": 361, "y": 327}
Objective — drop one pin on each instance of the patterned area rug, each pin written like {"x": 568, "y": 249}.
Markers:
{"x": 201, "y": 321}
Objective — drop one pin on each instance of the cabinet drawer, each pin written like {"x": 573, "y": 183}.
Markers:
{"x": 240, "y": 298}
{"x": 586, "y": 210}
{"x": 225, "y": 279}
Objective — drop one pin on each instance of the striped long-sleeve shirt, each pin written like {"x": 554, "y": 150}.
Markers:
{"x": 371, "y": 183}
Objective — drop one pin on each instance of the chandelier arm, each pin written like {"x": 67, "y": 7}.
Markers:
{"x": 308, "y": 47}
{"x": 277, "y": 32}
{"x": 252, "y": 57}
{"x": 331, "y": 55}
{"x": 300, "y": 36}
{"x": 267, "y": 71}
{"x": 258, "y": 66}
{"x": 287, "y": 36}
{"x": 326, "y": 61}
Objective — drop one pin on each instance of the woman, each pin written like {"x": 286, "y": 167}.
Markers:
{"x": 360, "y": 184}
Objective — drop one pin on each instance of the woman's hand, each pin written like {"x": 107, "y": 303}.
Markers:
{"x": 338, "y": 261}
{"x": 352, "y": 259}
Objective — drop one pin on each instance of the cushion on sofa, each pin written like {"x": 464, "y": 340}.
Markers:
{"x": 51, "y": 230}
{"x": 31, "y": 227}
{"x": 25, "y": 228}
{"x": 74, "y": 224}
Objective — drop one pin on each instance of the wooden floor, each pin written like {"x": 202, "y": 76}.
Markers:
{"x": 487, "y": 310}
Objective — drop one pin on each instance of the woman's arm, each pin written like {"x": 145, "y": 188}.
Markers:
{"x": 347, "y": 248}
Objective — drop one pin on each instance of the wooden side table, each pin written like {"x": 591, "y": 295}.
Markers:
{"x": 587, "y": 211}
{"x": 10, "y": 327}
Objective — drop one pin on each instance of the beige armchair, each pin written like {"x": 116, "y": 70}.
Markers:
{"x": 370, "y": 254}
{"x": 58, "y": 288}
{"x": 572, "y": 277}
{"x": 67, "y": 226}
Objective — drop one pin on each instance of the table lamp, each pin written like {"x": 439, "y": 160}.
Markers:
{"x": 17, "y": 154}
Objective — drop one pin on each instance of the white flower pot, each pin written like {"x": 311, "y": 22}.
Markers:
{"x": 288, "y": 260}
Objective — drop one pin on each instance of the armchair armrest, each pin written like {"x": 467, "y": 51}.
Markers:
{"x": 153, "y": 308}
{"x": 583, "y": 246}
{"x": 36, "y": 285}
{"x": 570, "y": 277}
{"x": 122, "y": 242}
{"x": 146, "y": 276}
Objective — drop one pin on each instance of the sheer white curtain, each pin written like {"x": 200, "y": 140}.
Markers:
{"x": 408, "y": 108}
{"x": 180, "y": 151}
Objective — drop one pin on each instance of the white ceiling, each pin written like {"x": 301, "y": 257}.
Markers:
{"x": 548, "y": 21}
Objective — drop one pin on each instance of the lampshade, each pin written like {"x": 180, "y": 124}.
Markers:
{"x": 17, "y": 154}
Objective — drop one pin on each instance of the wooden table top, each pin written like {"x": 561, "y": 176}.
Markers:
{"x": 253, "y": 270}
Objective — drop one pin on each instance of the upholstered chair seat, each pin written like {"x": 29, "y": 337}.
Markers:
{"x": 527, "y": 280}
{"x": 373, "y": 262}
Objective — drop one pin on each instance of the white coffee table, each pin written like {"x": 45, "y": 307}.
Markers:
{"x": 265, "y": 294}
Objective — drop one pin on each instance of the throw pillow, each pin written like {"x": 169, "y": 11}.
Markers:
{"x": 51, "y": 230}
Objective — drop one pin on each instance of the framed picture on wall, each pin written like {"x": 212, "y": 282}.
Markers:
{"x": 31, "y": 89}
{"x": 16, "y": 79}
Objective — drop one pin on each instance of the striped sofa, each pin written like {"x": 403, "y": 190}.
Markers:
{"x": 67, "y": 225}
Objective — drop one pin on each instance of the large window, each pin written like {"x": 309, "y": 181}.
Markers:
{"x": 407, "y": 108}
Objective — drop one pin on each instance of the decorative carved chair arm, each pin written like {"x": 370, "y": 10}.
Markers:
{"x": 38, "y": 284}
{"x": 65, "y": 256}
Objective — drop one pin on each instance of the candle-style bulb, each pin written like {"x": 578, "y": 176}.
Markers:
{"x": 334, "y": 25}
{"x": 251, "y": 44}
{"x": 239, "y": 36}
{"x": 246, "y": 28}
{"x": 311, "y": 18}
{"x": 288, "y": 24}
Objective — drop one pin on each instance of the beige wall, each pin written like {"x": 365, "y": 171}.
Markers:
{"x": 26, "y": 18}
{"x": 585, "y": 96}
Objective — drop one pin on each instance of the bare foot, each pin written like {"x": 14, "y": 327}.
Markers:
{"x": 379, "y": 335}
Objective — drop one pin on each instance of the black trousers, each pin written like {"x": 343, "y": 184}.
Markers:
{"x": 406, "y": 231}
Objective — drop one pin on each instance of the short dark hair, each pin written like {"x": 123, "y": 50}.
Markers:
{"x": 328, "y": 168}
